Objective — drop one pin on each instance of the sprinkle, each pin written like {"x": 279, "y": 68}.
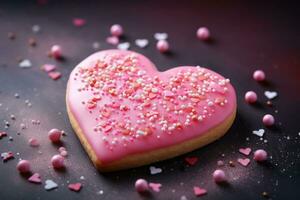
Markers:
{"x": 124, "y": 46}
{"x": 48, "y": 67}
{"x": 50, "y": 185}
{"x": 112, "y": 40}
{"x": 58, "y": 161}
{"x": 161, "y": 36}
{"x": 155, "y": 186}
{"x": 35, "y": 178}
{"x": 56, "y": 51}
{"x": 259, "y": 75}
{"x": 198, "y": 191}
{"x": 36, "y": 28}
{"x": 25, "y": 64}
{"x": 96, "y": 45}
{"x": 219, "y": 176}
{"x": 141, "y": 185}
{"x": 7, "y": 156}
{"x": 75, "y": 187}
{"x": 2, "y": 134}
{"x": 54, "y": 75}
{"x": 260, "y": 155}
{"x": 54, "y": 135}
{"x": 203, "y": 33}
{"x": 116, "y": 30}
{"x": 79, "y": 22}
{"x": 250, "y": 97}
{"x": 162, "y": 46}
{"x": 191, "y": 160}
{"x": 155, "y": 170}
{"x": 245, "y": 151}
{"x": 271, "y": 94}
{"x": 142, "y": 43}
{"x": 245, "y": 162}
{"x": 259, "y": 132}
{"x": 268, "y": 120}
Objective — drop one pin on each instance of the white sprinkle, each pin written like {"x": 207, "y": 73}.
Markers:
{"x": 142, "y": 43}
{"x": 161, "y": 36}
{"x": 124, "y": 46}
{"x": 25, "y": 64}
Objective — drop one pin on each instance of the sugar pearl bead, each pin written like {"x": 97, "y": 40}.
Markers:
{"x": 116, "y": 30}
{"x": 141, "y": 185}
{"x": 259, "y": 75}
{"x": 162, "y": 46}
{"x": 260, "y": 155}
{"x": 56, "y": 51}
{"x": 203, "y": 33}
{"x": 54, "y": 135}
{"x": 250, "y": 97}
{"x": 219, "y": 176}
{"x": 58, "y": 161}
{"x": 23, "y": 166}
{"x": 268, "y": 120}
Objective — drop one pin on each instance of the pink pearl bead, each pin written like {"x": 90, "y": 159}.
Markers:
{"x": 219, "y": 176}
{"x": 58, "y": 161}
{"x": 141, "y": 185}
{"x": 162, "y": 46}
{"x": 56, "y": 51}
{"x": 116, "y": 30}
{"x": 268, "y": 120}
{"x": 203, "y": 33}
{"x": 23, "y": 166}
{"x": 259, "y": 75}
{"x": 250, "y": 97}
{"x": 54, "y": 135}
{"x": 260, "y": 155}
{"x": 64, "y": 153}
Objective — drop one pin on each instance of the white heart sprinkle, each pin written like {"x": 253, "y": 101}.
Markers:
{"x": 259, "y": 132}
{"x": 155, "y": 170}
{"x": 49, "y": 184}
{"x": 124, "y": 46}
{"x": 271, "y": 94}
{"x": 161, "y": 36}
{"x": 36, "y": 28}
{"x": 25, "y": 64}
{"x": 142, "y": 43}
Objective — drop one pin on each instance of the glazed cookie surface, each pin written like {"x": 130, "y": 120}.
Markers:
{"x": 126, "y": 113}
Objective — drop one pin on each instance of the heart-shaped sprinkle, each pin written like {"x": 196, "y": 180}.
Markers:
{"x": 112, "y": 40}
{"x": 75, "y": 187}
{"x": 142, "y": 43}
{"x": 25, "y": 63}
{"x": 2, "y": 134}
{"x": 198, "y": 191}
{"x": 155, "y": 186}
{"x": 35, "y": 178}
{"x": 271, "y": 94}
{"x": 54, "y": 75}
{"x": 245, "y": 151}
{"x": 155, "y": 170}
{"x": 48, "y": 67}
{"x": 161, "y": 36}
{"x": 50, "y": 185}
{"x": 79, "y": 22}
{"x": 259, "y": 132}
{"x": 245, "y": 162}
{"x": 124, "y": 46}
{"x": 191, "y": 160}
{"x": 7, "y": 156}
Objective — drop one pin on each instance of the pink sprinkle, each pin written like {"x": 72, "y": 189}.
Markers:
{"x": 259, "y": 75}
{"x": 268, "y": 120}
{"x": 203, "y": 33}
{"x": 191, "y": 160}
{"x": 33, "y": 142}
{"x": 56, "y": 51}
{"x": 162, "y": 46}
{"x": 245, "y": 151}
{"x": 58, "y": 161}
{"x": 245, "y": 162}
{"x": 54, "y": 75}
{"x": 78, "y": 22}
{"x": 116, "y": 30}
{"x": 35, "y": 178}
{"x": 112, "y": 40}
{"x": 198, "y": 191}
{"x": 7, "y": 156}
{"x": 64, "y": 153}
{"x": 250, "y": 97}
{"x": 48, "y": 67}
{"x": 23, "y": 166}
{"x": 75, "y": 187}
{"x": 60, "y": 149}
{"x": 260, "y": 155}
{"x": 155, "y": 186}
{"x": 54, "y": 135}
{"x": 141, "y": 185}
{"x": 219, "y": 176}
{"x": 2, "y": 134}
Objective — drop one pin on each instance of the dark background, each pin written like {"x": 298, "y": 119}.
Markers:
{"x": 247, "y": 35}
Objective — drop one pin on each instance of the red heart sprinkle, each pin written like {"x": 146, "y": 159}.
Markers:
{"x": 191, "y": 160}
{"x": 244, "y": 162}
{"x": 245, "y": 151}
{"x": 75, "y": 187}
{"x": 198, "y": 191}
{"x": 35, "y": 178}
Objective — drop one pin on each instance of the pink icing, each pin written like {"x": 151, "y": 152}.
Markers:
{"x": 125, "y": 106}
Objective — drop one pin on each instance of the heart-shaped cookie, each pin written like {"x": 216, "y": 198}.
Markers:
{"x": 126, "y": 113}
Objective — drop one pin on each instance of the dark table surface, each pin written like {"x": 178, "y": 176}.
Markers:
{"x": 246, "y": 36}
